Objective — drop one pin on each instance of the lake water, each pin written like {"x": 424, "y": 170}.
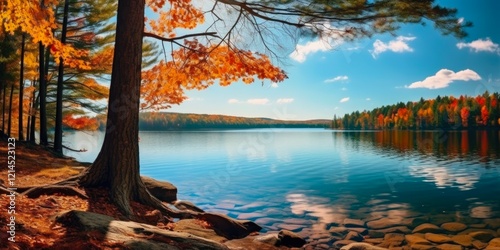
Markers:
{"x": 308, "y": 179}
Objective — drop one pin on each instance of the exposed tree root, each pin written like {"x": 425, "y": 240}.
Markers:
{"x": 54, "y": 189}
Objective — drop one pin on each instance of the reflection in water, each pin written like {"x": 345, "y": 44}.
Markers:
{"x": 325, "y": 214}
{"x": 446, "y": 177}
{"x": 482, "y": 145}
{"x": 316, "y": 179}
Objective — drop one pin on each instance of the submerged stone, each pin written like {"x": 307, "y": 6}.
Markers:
{"x": 399, "y": 229}
{"x": 353, "y": 223}
{"x": 354, "y": 236}
{"x": 361, "y": 246}
{"x": 290, "y": 239}
{"x": 393, "y": 240}
{"x": 453, "y": 226}
{"x": 464, "y": 240}
{"x": 437, "y": 238}
{"x": 449, "y": 247}
{"x": 483, "y": 236}
{"x": 414, "y": 240}
{"x": 494, "y": 243}
{"x": 386, "y": 222}
{"x": 427, "y": 228}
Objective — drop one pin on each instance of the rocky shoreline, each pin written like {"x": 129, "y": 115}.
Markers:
{"x": 415, "y": 231}
{"x": 419, "y": 233}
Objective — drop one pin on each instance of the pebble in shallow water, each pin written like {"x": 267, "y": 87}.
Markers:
{"x": 404, "y": 233}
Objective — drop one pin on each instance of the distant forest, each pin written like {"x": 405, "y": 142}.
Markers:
{"x": 448, "y": 112}
{"x": 157, "y": 121}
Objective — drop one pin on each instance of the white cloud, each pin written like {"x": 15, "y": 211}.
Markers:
{"x": 480, "y": 45}
{"x": 233, "y": 100}
{"x": 368, "y": 99}
{"x": 332, "y": 38}
{"x": 301, "y": 51}
{"x": 398, "y": 45}
{"x": 258, "y": 101}
{"x": 343, "y": 89}
{"x": 284, "y": 100}
{"x": 336, "y": 79}
{"x": 274, "y": 85}
{"x": 345, "y": 99}
{"x": 444, "y": 77}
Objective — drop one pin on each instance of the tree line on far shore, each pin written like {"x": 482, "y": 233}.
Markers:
{"x": 448, "y": 112}
{"x": 158, "y": 121}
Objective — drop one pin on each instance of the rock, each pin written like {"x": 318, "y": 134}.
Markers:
{"x": 290, "y": 239}
{"x": 374, "y": 241}
{"x": 400, "y": 229}
{"x": 340, "y": 243}
{"x": 164, "y": 191}
{"x": 338, "y": 231}
{"x": 322, "y": 246}
{"x": 483, "y": 236}
{"x": 187, "y": 205}
{"x": 192, "y": 226}
{"x": 494, "y": 243}
{"x": 354, "y": 236}
{"x": 393, "y": 240}
{"x": 249, "y": 243}
{"x": 375, "y": 234}
{"x": 437, "y": 238}
{"x": 134, "y": 235}
{"x": 493, "y": 223}
{"x": 271, "y": 239}
{"x": 449, "y": 247}
{"x": 464, "y": 240}
{"x": 453, "y": 226}
{"x": 228, "y": 227}
{"x": 471, "y": 230}
{"x": 422, "y": 247}
{"x": 416, "y": 240}
{"x": 359, "y": 230}
{"x": 353, "y": 223}
{"x": 361, "y": 246}
{"x": 478, "y": 244}
{"x": 385, "y": 223}
{"x": 427, "y": 228}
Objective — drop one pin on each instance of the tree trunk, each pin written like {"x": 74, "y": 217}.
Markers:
{"x": 10, "y": 110}
{"x": 117, "y": 165}
{"x": 43, "y": 96}
{"x": 34, "y": 108}
{"x": 59, "y": 99}
{"x": 4, "y": 88}
{"x": 21, "y": 89}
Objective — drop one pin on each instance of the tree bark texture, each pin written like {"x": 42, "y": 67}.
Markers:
{"x": 117, "y": 164}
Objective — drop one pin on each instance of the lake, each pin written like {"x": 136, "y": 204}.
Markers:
{"x": 307, "y": 180}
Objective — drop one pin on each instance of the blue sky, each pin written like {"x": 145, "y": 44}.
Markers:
{"x": 333, "y": 80}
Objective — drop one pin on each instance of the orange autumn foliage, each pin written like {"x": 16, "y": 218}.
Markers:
{"x": 182, "y": 14}
{"x": 197, "y": 67}
{"x": 39, "y": 21}
{"x": 81, "y": 123}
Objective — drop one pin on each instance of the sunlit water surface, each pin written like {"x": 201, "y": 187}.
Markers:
{"x": 307, "y": 179}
